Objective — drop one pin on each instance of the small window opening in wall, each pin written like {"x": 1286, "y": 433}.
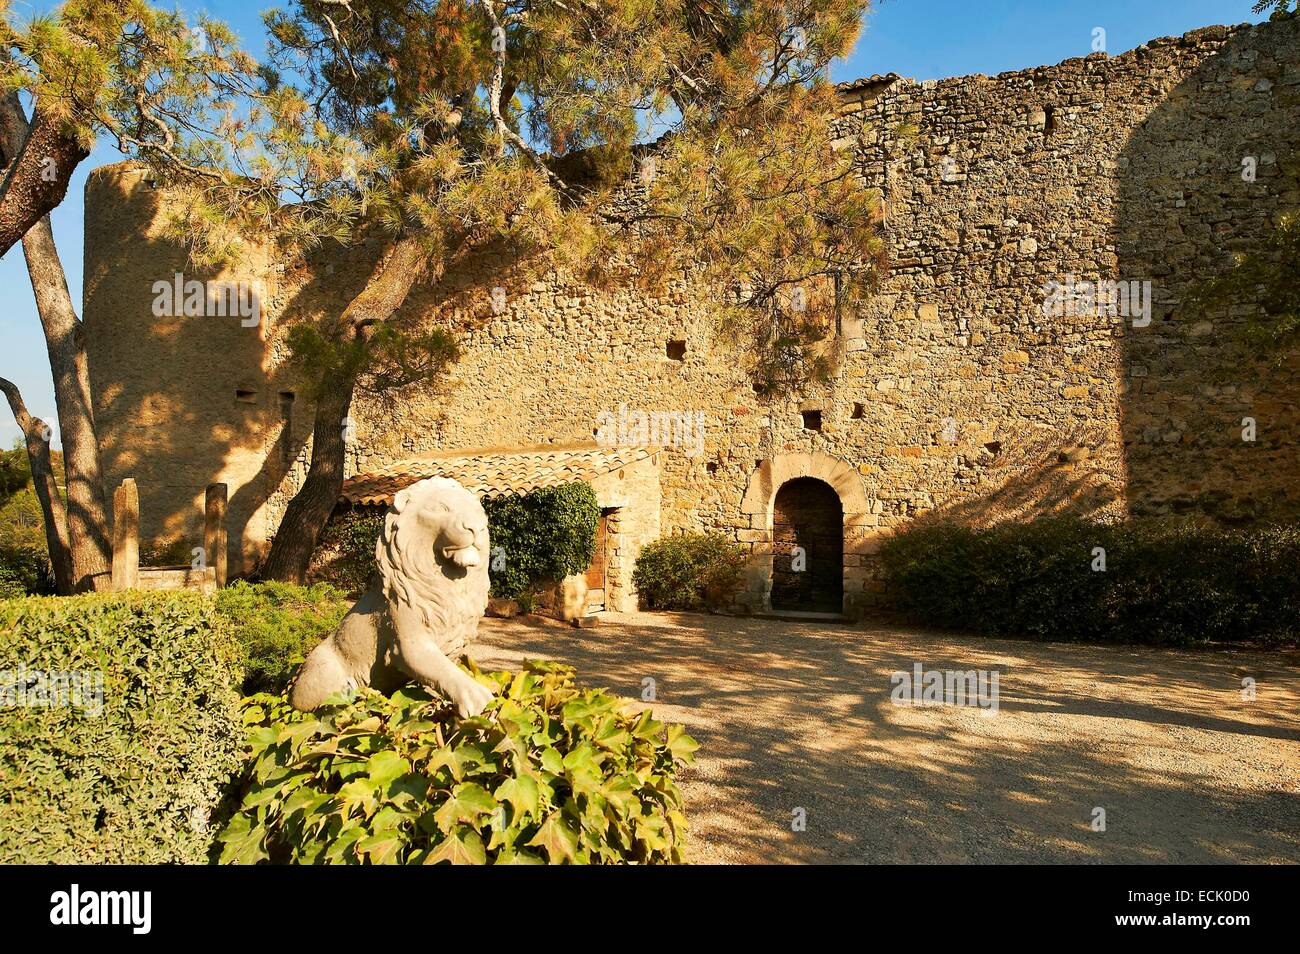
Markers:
{"x": 994, "y": 447}
{"x": 245, "y": 396}
{"x": 711, "y": 467}
{"x": 812, "y": 420}
{"x": 1049, "y": 120}
{"x": 859, "y": 411}
{"x": 677, "y": 349}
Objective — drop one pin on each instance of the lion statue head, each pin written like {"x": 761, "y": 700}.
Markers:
{"x": 433, "y": 556}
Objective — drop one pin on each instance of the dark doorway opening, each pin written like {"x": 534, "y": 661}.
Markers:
{"x": 808, "y": 547}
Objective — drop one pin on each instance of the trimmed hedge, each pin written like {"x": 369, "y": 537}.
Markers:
{"x": 689, "y": 571}
{"x": 277, "y": 625}
{"x": 141, "y": 782}
{"x": 550, "y": 773}
{"x": 1165, "y": 582}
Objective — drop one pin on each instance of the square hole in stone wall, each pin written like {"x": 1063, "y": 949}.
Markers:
{"x": 711, "y": 467}
{"x": 859, "y": 411}
{"x": 676, "y": 349}
{"x": 812, "y": 420}
{"x": 245, "y": 396}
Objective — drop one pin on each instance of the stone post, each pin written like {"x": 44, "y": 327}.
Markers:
{"x": 126, "y": 536}
{"x": 214, "y": 530}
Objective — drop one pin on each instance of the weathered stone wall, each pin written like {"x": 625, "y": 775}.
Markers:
{"x": 953, "y": 395}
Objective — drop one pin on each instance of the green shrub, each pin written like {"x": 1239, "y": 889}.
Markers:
{"x": 25, "y": 571}
{"x": 549, "y": 533}
{"x": 277, "y": 625}
{"x": 139, "y": 782}
{"x": 689, "y": 571}
{"x": 1165, "y": 582}
{"x": 549, "y": 773}
{"x": 345, "y": 555}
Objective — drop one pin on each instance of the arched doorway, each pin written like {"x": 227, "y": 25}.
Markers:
{"x": 807, "y": 547}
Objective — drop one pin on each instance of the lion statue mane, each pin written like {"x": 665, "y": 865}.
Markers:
{"x": 421, "y": 610}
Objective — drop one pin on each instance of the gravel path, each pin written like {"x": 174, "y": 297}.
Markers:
{"x": 794, "y": 715}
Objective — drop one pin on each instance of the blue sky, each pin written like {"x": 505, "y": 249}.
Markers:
{"x": 923, "y": 39}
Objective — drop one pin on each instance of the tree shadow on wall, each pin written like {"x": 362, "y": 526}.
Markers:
{"x": 182, "y": 402}
{"x": 1183, "y": 208}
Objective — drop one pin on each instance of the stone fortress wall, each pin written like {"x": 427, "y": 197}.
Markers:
{"x": 953, "y": 394}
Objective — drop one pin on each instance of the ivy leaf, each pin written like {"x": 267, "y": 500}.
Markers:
{"x": 461, "y": 847}
{"x": 242, "y": 842}
{"x": 521, "y": 793}
{"x": 647, "y": 727}
{"x": 609, "y": 734}
{"x": 620, "y": 792}
{"x": 556, "y": 838}
{"x": 359, "y": 791}
{"x": 385, "y": 767}
{"x": 512, "y": 856}
{"x": 466, "y": 803}
{"x": 340, "y": 846}
{"x": 382, "y": 848}
{"x": 553, "y": 762}
{"x": 680, "y": 744}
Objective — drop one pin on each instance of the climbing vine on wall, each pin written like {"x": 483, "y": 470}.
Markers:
{"x": 549, "y": 533}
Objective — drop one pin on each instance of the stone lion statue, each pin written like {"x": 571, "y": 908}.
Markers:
{"x": 421, "y": 610}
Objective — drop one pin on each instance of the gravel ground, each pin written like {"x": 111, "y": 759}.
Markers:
{"x": 795, "y": 715}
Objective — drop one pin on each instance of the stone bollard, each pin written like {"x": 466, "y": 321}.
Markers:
{"x": 214, "y": 530}
{"x": 126, "y": 537}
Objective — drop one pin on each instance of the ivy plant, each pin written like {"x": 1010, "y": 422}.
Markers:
{"x": 550, "y": 773}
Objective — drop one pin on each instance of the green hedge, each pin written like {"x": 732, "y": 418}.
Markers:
{"x": 140, "y": 782}
{"x": 1165, "y": 582}
{"x": 550, "y": 773}
{"x": 544, "y": 535}
{"x": 277, "y": 625}
{"x": 689, "y": 571}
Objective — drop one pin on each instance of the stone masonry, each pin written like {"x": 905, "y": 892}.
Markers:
{"x": 953, "y": 396}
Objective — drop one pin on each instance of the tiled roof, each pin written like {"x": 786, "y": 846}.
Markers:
{"x": 876, "y": 79}
{"x": 492, "y": 472}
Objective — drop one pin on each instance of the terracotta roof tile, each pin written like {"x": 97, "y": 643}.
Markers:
{"x": 493, "y": 472}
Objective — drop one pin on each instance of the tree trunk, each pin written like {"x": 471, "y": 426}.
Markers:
{"x": 311, "y": 507}
{"x": 87, "y": 511}
{"x": 47, "y": 489}
{"x": 41, "y": 157}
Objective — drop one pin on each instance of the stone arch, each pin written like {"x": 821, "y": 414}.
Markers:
{"x": 757, "y": 508}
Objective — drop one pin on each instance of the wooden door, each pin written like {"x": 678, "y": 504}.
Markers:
{"x": 596, "y": 572}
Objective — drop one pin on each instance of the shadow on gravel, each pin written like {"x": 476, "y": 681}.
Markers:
{"x": 792, "y": 716}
